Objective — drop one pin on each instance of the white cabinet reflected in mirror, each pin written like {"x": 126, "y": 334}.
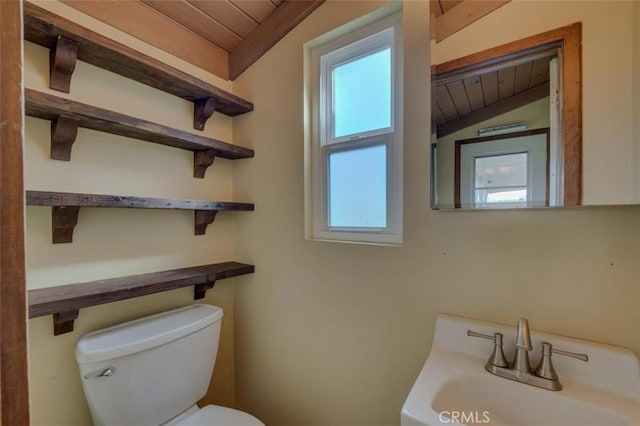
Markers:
{"x": 540, "y": 120}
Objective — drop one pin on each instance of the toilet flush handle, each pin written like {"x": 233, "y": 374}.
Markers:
{"x": 101, "y": 373}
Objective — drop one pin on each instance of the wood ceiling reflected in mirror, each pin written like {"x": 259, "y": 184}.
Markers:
{"x": 477, "y": 94}
{"x": 469, "y": 98}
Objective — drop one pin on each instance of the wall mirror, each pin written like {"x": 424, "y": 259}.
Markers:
{"x": 507, "y": 124}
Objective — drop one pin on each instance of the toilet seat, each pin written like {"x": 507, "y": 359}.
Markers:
{"x": 214, "y": 415}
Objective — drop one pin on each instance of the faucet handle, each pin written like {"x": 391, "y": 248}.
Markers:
{"x": 581, "y": 357}
{"x": 545, "y": 368}
{"x": 497, "y": 358}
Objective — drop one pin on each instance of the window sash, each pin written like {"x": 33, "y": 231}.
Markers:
{"x": 326, "y": 151}
{"x": 352, "y": 52}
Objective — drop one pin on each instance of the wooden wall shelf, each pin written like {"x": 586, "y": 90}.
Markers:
{"x": 66, "y": 206}
{"x": 64, "y": 302}
{"x": 69, "y": 41}
{"x": 67, "y": 115}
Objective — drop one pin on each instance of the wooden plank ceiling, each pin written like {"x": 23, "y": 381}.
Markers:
{"x": 224, "y": 23}
{"x": 223, "y": 37}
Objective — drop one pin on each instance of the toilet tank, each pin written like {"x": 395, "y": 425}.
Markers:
{"x": 147, "y": 371}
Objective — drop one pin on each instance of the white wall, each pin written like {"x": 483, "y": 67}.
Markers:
{"x": 335, "y": 334}
{"x": 118, "y": 242}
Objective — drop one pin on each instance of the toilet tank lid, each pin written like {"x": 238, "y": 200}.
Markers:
{"x": 145, "y": 333}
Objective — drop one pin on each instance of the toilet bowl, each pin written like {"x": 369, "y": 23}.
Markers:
{"x": 153, "y": 370}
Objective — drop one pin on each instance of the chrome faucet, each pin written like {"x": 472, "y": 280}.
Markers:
{"x": 544, "y": 376}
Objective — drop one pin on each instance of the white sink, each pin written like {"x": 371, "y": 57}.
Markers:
{"x": 503, "y": 406}
{"x": 454, "y": 388}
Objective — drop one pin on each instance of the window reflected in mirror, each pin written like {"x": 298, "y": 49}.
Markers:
{"x": 506, "y": 171}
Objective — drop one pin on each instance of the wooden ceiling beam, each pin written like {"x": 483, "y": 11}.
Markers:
{"x": 462, "y": 15}
{"x": 268, "y": 33}
{"x": 447, "y": 5}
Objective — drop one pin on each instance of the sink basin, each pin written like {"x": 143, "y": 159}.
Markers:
{"x": 501, "y": 401}
{"x": 453, "y": 387}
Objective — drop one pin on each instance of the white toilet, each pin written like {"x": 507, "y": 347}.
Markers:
{"x": 151, "y": 371}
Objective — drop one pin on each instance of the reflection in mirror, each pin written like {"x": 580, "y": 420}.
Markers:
{"x": 505, "y": 171}
{"x": 507, "y": 125}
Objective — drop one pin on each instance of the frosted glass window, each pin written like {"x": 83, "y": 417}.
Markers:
{"x": 353, "y": 188}
{"x": 501, "y": 179}
{"x": 362, "y": 94}
{"x": 358, "y": 187}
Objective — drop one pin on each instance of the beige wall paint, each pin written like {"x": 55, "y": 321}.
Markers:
{"x": 335, "y": 334}
{"x": 117, "y": 242}
{"x": 607, "y": 28}
{"x": 535, "y": 115}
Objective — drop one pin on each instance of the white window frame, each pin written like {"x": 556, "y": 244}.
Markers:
{"x": 386, "y": 32}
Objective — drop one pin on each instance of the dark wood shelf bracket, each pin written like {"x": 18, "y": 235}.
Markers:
{"x": 203, "y": 109}
{"x": 64, "y": 131}
{"x": 202, "y": 219}
{"x": 202, "y": 160}
{"x": 200, "y": 290}
{"x": 63, "y": 321}
{"x": 64, "y": 302}
{"x": 63, "y": 220}
{"x": 62, "y": 62}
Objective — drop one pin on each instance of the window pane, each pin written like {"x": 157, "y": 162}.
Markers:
{"x": 362, "y": 94}
{"x": 358, "y": 187}
{"x": 501, "y": 170}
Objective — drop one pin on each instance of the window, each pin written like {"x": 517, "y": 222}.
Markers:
{"x": 503, "y": 171}
{"x": 354, "y": 149}
{"x": 501, "y": 179}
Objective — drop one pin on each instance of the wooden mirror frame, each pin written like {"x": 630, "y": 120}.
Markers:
{"x": 570, "y": 38}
